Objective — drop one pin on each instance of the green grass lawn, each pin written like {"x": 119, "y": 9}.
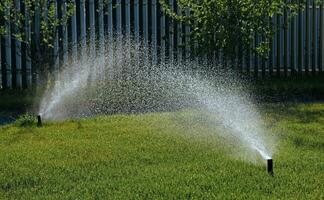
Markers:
{"x": 155, "y": 156}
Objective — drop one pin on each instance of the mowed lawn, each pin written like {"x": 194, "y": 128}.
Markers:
{"x": 160, "y": 156}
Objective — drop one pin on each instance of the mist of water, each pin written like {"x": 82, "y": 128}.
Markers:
{"x": 124, "y": 79}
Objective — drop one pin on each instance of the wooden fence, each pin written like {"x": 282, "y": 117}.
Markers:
{"x": 298, "y": 48}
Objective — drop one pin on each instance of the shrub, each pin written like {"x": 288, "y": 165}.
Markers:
{"x": 26, "y": 120}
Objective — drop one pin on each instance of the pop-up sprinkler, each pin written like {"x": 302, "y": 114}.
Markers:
{"x": 270, "y": 166}
{"x": 39, "y": 121}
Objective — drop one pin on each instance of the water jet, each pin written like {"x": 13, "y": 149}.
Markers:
{"x": 129, "y": 83}
{"x": 39, "y": 121}
{"x": 270, "y": 166}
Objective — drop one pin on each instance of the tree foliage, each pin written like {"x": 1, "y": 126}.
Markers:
{"x": 34, "y": 23}
{"x": 230, "y": 24}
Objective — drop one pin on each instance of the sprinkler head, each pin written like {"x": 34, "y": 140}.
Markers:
{"x": 270, "y": 166}
{"x": 39, "y": 121}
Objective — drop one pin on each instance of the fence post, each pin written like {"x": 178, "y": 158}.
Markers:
{"x": 128, "y": 18}
{"x": 271, "y": 44}
{"x": 18, "y": 50}
{"x": 163, "y": 37}
{"x": 92, "y": 27}
{"x": 307, "y": 39}
{"x": 101, "y": 27}
{"x": 154, "y": 30}
{"x": 83, "y": 29}
{"x": 171, "y": 33}
{"x": 128, "y": 25}
{"x": 300, "y": 39}
{"x": 187, "y": 36}
{"x": 1, "y": 80}
{"x": 278, "y": 46}
{"x": 145, "y": 29}
{"x": 292, "y": 44}
{"x": 285, "y": 42}
{"x": 56, "y": 45}
{"x": 256, "y": 56}
{"x": 101, "y": 67}
{"x": 27, "y": 49}
{"x": 8, "y": 58}
{"x": 321, "y": 49}
{"x": 145, "y": 22}
{"x": 74, "y": 34}
{"x": 314, "y": 39}
{"x": 65, "y": 33}
{"x": 136, "y": 29}
{"x": 179, "y": 36}
{"x": 136, "y": 20}
{"x": 119, "y": 16}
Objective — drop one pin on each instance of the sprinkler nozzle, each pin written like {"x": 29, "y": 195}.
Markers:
{"x": 270, "y": 166}
{"x": 39, "y": 121}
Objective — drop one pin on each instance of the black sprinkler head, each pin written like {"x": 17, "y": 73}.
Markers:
{"x": 39, "y": 121}
{"x": 270, "y": 166}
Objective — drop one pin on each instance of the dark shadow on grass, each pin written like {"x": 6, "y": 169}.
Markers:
{"x": 300, "y": 142}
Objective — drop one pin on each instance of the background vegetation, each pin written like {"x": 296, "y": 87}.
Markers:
{"x": 232, "y": 24}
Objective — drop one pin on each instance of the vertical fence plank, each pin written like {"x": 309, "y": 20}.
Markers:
{"x": 171, "y": 33}
{"x": 64, "y": 33}
{"x": 163, "y": 36}
{"x": 110, "y": 20}
{"x": 128, "y": 23}
{"x": 18, "y": 50}
{"x": 292, "y": 44}
{"x": 101, "y": 27}
{"x": 314, "y": 40}
{"x": 249, "y": 59}
{"x": 321, "y": 48}
{"x": 278, "y": 46}
{"x": 74, "y": 34}
{"x": 8, "y": 58}
{"x": 137, "y": 28}
{"x": 128, "y": 17}
{"x": 110, "y": 40}
{"x": 145, "y": 22}
{"x": 307, "y": 49}
{"x": 27, "y": 49}
{"x": 145, "y": 29}
{"x": 285, "y": 42}
{"x": 1, "y": 67}
{"x": 56, "y": 45}
{"x": 179, "y": 36}
{"x": 1, "y": 79}
{"x": 119, "y": 16}
{"x": 263, "y": 64}
{"x": 187, "y": 36}
{"x": 255, "y": 55}
{"x": 154, "y": 30}
{"x": 101, "y": 40}
{"x": 136, "y": 21}
{"x": 36, "y": 40}
{"x": 300, "y": 38}
{"x": 83, "y": 28}
{"x": 92, "y": 28}
{"x": 272, "y": 46}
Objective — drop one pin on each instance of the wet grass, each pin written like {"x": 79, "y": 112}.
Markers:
{"x": 154, "y": 156}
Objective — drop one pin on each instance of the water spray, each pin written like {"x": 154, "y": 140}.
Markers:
{"x": 39, "y": 121}
{"x": 147, "y": 86}
{"x": 270, "y": 166}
